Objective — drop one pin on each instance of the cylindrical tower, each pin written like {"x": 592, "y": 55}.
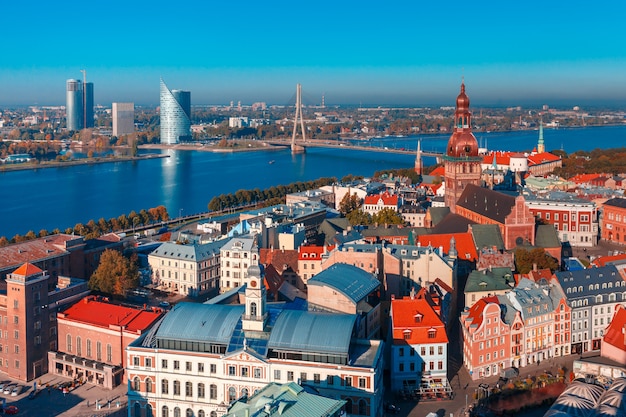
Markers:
{"x": 74, "y": 105}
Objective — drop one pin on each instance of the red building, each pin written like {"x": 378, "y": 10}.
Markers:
{"x": 93, "y": 336}
{"x": 614, "y": 220}
{"x": 372, "y": 204}
{"x": 461, "y": 162}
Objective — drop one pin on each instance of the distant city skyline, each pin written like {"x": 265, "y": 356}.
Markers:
{"x": 404, "y": 53}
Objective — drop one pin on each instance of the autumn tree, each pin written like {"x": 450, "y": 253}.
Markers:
{"x": 387, "y": 216}
{"x": 524, "y": 260}
{"x": 115, "y": 274}
{"x": 359, "y": 218}
{"x": 349, "y": 203}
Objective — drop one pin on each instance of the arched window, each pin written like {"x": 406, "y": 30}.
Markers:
{"x": 89, "y": 348}
{"x": 99, "y": 351}
{"x": 253, "y": 309}
{"x": 188, "y": 389}
{"x": 79, "y": 350}
{"x": 201, "y": 413}
{"x": 176, "y": 412}
{"x": 580, "y": 288}
{"x": 165, "y": 412}
{"x": 149, "y": 410}
{"x": 598, "y": 298}
{"x": 165, "y": 386}
{"x": 136, "y": 383}
{"x": 148, "y": 385}
{"x": 137, "y": 410}
{"x": 213, "y": 414}
{"x": 201, "y": 390}
{"x": 213, "y": 391}
{"x": 597, "y": 286}
{"x": 176, "y": 389}
{"x": 189, "y": 413}
{"x": 69, "y": 343}
{"x": 244, "y": 392}
{"x": 362, "y": 407}
{"x": 590, "y": 287}
{"x": 232, "y": 394}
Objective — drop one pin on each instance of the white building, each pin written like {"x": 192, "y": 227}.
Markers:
{"x": 123, "y": 115}
{"x": 201, "y": 357}
{"x": 190, "y": 270}
{"x": 236, "y": 256}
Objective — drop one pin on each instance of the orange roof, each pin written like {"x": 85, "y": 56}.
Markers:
{"x": 465, "y": 246}
{"x": 281, "y": 259}
{"x": 607, "y": 260}
{"x": 27, "y": 270}
{"x": 502, "y": 158}
{"x": 103, "y": 314}
{"x": 387, "y": 199}
{"x": 475, "y": 313}
{"x": 405, "y": 313}
{"x": 34, "y": 250}
{"x": 314, "y": 252}
{"x": 542, "y": 158}
{"x": 539, "y": 274}
{"x": 440, "y": 170}
{"x": 584, "y": 178}
{"x": 614, "y": 335}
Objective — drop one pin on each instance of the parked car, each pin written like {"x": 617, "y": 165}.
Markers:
{"x": 2, "y": 384}
{"x": 16, "y": 391}
{"x": 10, "y": 409}
{"x": 392, "y": 408}
{"x": 8, "y": 389}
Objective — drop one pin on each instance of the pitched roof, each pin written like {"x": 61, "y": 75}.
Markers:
{"x": 440, "y": 170}
{"x": 465, "y": 247}
{"x": 487, "y": 236}
{"x": 437, "y": 214}
{"x": 616, "y": 202}
{"x": 353, "y": 282}
{"x": 27, "y": 270}
{"x": 614, "y": 334}
{"x": 489, "y": 280}
{"x": 386, "y": 199}
{"x": 542, "y": 158}
{"x": 100, "y": 313}
{"x": 193, "y": 252}
{"x": 474, "y": 316}
{"x": 34, "y": 250}
{"x": 610, "y": 260}
{"x": 546, "y": 236}
{"x": 489, "y": 203}
{"x": 417, "y": 316}
{"x": 502, "y": 158}
{"x": 452, "y": 223}
{"x": 281, "y": 259}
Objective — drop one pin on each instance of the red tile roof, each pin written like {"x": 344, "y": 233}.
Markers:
{"x": 314, "y": 252}
{"x": 34, "y": 250}
{"x": 584, "y": 178}
{"x": 440, "y": 170}
{"x": 607, "y": 260}
{"x": 502, "y": 158}
{"x": 404, "y": 312}
{"x": 614, "y": 335}
{"x": 542, "y": 158}
{"x": 27, "y": 270}
{"x": 281, "y": 259}
{"x": 387, "y": 199}
{"x": 465, "y": 246}
{"x": 103, "y": 314}
{"x": 475, "y": 313}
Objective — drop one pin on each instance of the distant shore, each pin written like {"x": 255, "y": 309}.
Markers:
{"x": 212, "y": 148}
{"x": 83, "y": 161}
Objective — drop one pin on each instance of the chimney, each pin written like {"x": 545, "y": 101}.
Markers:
{"x": 535, "y": 267}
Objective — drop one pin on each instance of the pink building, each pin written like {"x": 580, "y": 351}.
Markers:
{"x": 614, "y": 340}
{"x": 93, "y": 336}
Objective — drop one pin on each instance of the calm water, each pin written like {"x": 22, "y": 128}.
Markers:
{"x": 187, "y": 180}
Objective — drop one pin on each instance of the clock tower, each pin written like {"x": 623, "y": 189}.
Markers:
{"x": 461, "y": 161}
{"x": 255, "y": 314}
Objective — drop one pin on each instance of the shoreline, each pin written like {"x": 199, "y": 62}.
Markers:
{"x": 214, "y": 149}
{"x": 55, "y": 164}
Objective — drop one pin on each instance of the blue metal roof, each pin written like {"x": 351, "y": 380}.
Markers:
{"x": 305, "y": 331}
{"x": 351, "y": 281}
{"x": 213, "y": 323}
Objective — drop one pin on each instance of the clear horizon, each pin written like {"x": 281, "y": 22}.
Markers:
{"x": 405, "y": 54}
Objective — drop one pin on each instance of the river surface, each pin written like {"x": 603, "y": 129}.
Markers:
{"x": 186, "y": 181}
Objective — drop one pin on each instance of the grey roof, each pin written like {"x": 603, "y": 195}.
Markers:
{"x": 489, "y": 203}
{"x": 351, "y": 281}
{"x": 487, "y": 236}
{"x": 489, "y": 280}
{"x": 452, "y": 223}
{"x": 546, "y": 236}
{"x": 411, "y": 251}
{"x": 200, "y": 322}
{"x": 304, "y": 331}
{"x": 530, "y": 299}
{"x": 193, "y": 252}
{"x": 586, "y": 277}
{"x": 243, "y": 243}
{"x": 437, "y": 214}
{"x": 616, "y": 202}
{"x": 508, "y": 310}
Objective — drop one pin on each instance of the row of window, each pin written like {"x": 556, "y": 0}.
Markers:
{"x": 88, "y": 346}
{"x": 431, "y": 350}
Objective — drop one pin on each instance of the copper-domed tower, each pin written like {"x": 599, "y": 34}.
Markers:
{"x": 462, "y": 163}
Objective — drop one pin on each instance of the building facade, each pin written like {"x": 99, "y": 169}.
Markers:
{"x": 123, "y": 115}
{"x": 175, "y": 115}
{"x": 74, "y": 105}
{"x": 236, "y": 256}
{"x": 614, "y": 220}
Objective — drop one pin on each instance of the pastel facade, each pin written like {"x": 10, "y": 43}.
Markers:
{"x": 614, "y": 220}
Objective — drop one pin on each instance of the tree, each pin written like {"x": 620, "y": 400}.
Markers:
{"x": 359, "y": 218}
{"x": 387, "y": 216}
{"x": 349, "y": 203}
{"x": 525, "y": 260}
{"x": 115, "y": 274}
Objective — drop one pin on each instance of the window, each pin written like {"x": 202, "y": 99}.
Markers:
{"x": 289, "y": 375}
{"x": 99, "y": 351}
{"x": 277, "y": 374}
{"x": 164, "y": 386}
{"x": 148, "y": 385}
{"x": 176, "y": 387}
{"x": 232, "y": 394}
{"x": 136, "y": 384}
{"x": 200, "y": 367}
{"x": 231, "y": 370}
{"x": 188, "y": 389}
{"x": 164, "y": 363}
{"x": 213, "y": 368}
{"x": 440, "y": 350}
{"x": 316, "y": 378}
{"x": 69, "y": 343}
{"x": 244, "y": 372}
{"x": 348, "y": 381}
{"x": 109, "y": 353}
{"x": 135, "y": 360}
{"x": 213, "y": 391}
{"x": 148, "y": 362}
{"x": 330, "y": 379}
{"x": 165, "y": 412}
{"x": 176, "y": 365}
{"x": 89, "y": 348}
{"x": 257, "y": 373}
{"x": 188, "y": 366}
{"x": 302, "y": 376}
{"x": 362, "y": 383}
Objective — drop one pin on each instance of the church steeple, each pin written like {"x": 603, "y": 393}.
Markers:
{"x": 541, "y": 148}
{"x": 256, "y": 311}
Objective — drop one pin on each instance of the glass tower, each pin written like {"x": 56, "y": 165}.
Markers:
{"x": 74, "y": 105}
{"x": 175, "y": 115}
{"x": 88, "y": 104}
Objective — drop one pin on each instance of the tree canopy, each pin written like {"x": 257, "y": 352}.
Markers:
{"x": 524, "y": 260}
{"x": 115, "y": 274}
{"x": 387, "y": 216}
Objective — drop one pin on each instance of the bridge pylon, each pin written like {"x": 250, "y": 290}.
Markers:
{"x": 296, "y": 148}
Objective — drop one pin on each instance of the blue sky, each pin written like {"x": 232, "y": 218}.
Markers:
{"x": 376, "y": 53}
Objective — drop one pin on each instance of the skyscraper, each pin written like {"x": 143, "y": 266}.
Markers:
{"x": 74, "y": 105}
{"x": 123, "y": 118}
{"x": 175, "y": 115}
{"x": 79, "y": 105}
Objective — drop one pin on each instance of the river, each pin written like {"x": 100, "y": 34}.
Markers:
{"x": 187, "y": 180}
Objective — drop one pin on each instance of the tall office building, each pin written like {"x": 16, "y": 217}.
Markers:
{"x": 74, "y": 105}
{"x": 123, "y": 119}
{"x": 175, "y": 115}
{"x": 79, "y": 105}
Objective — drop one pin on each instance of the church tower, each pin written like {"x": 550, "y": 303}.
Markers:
{"x": 256, "y": 312}
{"x": 541, "y": 147}
{"x": 461, "y": 161}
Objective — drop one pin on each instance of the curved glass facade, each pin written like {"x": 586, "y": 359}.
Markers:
{"x": 74, "y": 105}
{"x": 175, "y": 115}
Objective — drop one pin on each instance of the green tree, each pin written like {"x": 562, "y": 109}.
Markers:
{"x": 359, "y": 218}
{"x": 387, "y": 216}
{"x": 349, "y": 203}
{"x": 525, "y": 260}
{"x": 115, "y": 274}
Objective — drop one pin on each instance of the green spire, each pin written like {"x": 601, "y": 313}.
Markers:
{"x": 540, "y": 132}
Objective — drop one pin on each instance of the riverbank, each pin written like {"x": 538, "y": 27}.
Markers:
{"x": 262, "y": 146}
{"x": 87, "y": 161}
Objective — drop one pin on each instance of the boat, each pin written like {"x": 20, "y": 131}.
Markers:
{"x": 271, "y": 162}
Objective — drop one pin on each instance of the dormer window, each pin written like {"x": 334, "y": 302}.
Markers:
{"x": 406, "y": 334}
{"x": 432, "y": 333}
{"x": 418, "y": 318}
